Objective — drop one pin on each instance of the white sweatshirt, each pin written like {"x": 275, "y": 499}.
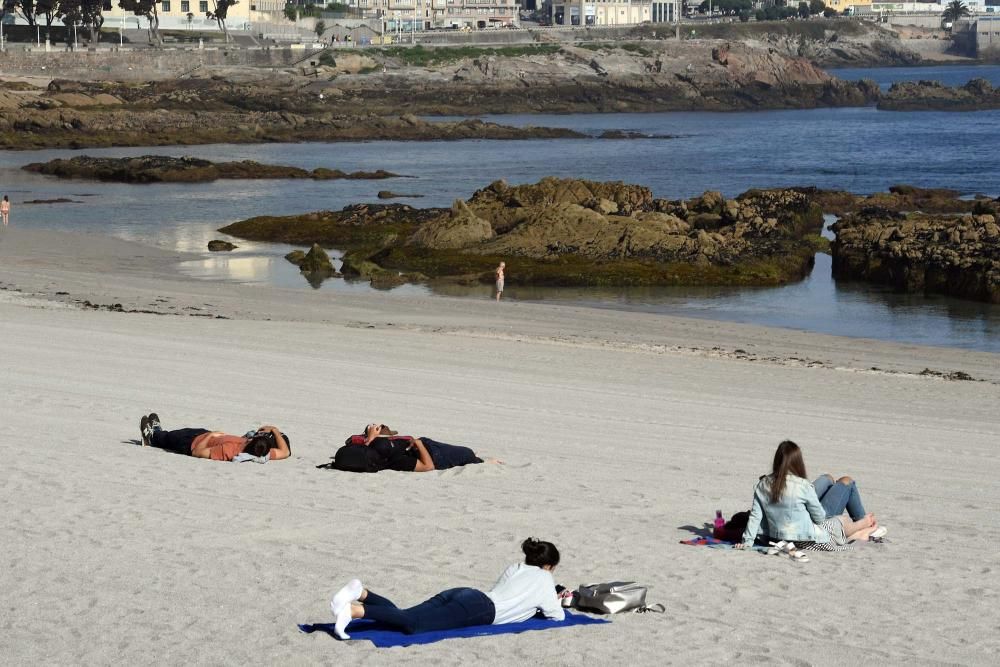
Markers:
{"x": 521, "y": 591}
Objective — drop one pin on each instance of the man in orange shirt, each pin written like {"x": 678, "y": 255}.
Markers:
{"x": 201, "y": 443}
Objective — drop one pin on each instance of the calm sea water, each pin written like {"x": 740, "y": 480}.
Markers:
{"x": 862, "y": 150}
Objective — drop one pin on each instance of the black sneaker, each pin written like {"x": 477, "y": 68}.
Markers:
{"x": 154, "y": 422}
{"x": 146, "y": 431}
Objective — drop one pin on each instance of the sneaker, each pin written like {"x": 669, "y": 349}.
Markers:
{"x": 146, "y": 431}
{"x": 154, "y": 422}
{"x": 878, "y": 533}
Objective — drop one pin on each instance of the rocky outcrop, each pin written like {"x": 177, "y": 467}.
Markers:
{"x": 459, "y": 229}
{"x": 976, "y": 95}
{"x": 389, "y": 194}
{"x": 899, "y": 199}
{"x": 218, "y": 245}
{"x": 573, "y": 232}
{"x": 166, "y": 169}
{"x": 957, "y": 255}
{"x": 314, "y": 265}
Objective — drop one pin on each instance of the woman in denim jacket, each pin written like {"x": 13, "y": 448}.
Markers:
{"x": 786, "y": 508}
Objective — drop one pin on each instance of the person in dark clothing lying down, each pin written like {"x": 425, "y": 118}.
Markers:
{"x": 381, "y": 448}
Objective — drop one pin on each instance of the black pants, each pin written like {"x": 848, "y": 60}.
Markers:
{"x": 454, "y": 608}
{"x": 178, "y": 441}
{"x": 449, "y": 456}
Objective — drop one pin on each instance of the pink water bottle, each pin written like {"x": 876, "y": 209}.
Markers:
{"x": 719, "y": 521}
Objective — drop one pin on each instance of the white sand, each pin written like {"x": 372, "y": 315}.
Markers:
{"x": 619, "y": 430}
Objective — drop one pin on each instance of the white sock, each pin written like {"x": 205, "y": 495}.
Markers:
{"x": 345, "y": 596}
{"x": 343, "y": 620}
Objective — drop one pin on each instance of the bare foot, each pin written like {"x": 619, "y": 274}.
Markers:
{"x": 494, "y": 461}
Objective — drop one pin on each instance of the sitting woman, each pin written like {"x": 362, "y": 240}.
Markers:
{"x": 201, "y": 443}
{"x": 786, "y": 510}
{"x": 381, "y": 448}
{"x": 523, "y": 590}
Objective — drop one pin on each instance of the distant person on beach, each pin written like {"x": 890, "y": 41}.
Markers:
{"x": 267, "y": 442}
{"x": 5, "y": 209}
{"x": 500, "y": 271}
{"x": 523, "y": 590}
{"x": 381, "y": 448}
{"x": 787, "y": 510}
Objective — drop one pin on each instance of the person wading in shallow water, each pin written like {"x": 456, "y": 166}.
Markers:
{"x": 5, "y": 209}
{"x": 500, "y": 272}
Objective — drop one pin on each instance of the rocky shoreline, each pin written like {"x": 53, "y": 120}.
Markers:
{"x": 564, "y": 232}
{"x": 567, "y": 232}
{"x": 166, "y": 169}
{"x": 956, "y": 255}
{"x": 976, "y": 95}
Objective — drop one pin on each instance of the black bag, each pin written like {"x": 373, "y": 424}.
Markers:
{"x": 734, "y": 528}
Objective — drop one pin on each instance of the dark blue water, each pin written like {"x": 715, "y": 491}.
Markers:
{"x": 862, "y": 150}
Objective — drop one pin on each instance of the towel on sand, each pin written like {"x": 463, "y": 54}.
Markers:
{"x": 384, "y": 637}
{"x": 713, "y": 543}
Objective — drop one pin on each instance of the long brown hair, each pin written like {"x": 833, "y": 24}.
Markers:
{"x": 787, "y": 459}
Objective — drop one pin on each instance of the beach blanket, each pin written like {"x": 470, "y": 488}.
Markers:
{"x": 384, "y": 637}
{"x": 713, "y": 543}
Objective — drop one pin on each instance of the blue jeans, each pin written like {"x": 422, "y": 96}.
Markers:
{"x": 836, "y": 497}
{"x": 447, "y": 456}
{"x": 454, "y": 608}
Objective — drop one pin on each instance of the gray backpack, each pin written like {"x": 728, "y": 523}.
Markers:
{"x": 614, "y": 597}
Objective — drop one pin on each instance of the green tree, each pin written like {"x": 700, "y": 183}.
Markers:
{"x": 147, "y": 9}
{"x": 87, "y": 13}
{"x": 220, "y": 14}
{"x": 319, "y": 29}
{"x": 803, "y": 10}
{"x": 955, "y": 10}
{"x": 816, "y": 6}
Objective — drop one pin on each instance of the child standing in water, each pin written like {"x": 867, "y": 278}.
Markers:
{"x": 5, "y": 211}
{"x": 499, "y": 273}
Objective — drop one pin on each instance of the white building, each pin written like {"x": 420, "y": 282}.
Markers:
{"x": 613, "y": 12}
{"x": 193, "y": 15}
{"x": 409, "y": 15}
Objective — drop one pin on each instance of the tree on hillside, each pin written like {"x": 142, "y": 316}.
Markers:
{"x": 146, "y": 8}
{"x": 955, "y": 10}
{"x": 319, "y": 29}
{"x": 816, "y": 6}
{"x": 803, "y": 10}
{"x": 221, "y": 13}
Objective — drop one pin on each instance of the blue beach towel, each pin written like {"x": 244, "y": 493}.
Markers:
{"x": 383, "y": 637}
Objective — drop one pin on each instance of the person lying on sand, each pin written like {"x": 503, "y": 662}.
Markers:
{"x": 381, "y": 448}
{"x": 522, "y": 590}
{"x": 786, "y": 509}
{"x": 201, "y": 443}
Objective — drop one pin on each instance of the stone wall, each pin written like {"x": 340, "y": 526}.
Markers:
{"x": 137, "y": 65}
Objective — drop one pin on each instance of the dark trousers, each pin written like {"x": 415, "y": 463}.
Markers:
{"x": 449, "y": 456}
{"x": 178, "y": 441}
{"x": 454, "y": 608}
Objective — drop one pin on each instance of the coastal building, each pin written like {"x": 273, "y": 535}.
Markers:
{"x": 856, "y": 6}
{"x": 193, "y": 15}
{"x": 987, "y": 29}
{"x": 613, "y": 12}
{"x": 410, "y": 15}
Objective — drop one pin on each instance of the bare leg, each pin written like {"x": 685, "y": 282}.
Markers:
{"x": 861, "y": 529}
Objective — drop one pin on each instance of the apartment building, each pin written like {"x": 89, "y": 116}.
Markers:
{"x": 614, "y": 12}
{"x": 193, "y": 15}
{"x": 409, "y": 15}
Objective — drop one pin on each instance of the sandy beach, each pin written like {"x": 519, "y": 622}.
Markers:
{"x": 622, "y": 433}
